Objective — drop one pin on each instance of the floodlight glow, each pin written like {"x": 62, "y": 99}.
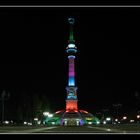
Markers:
{"x": 138, "y": 116}
{"x": 98, "y": 122}
{"x": 29, "y": 123}
{"x": 71, "y": 45}
{"x": 53, "y": 122}
{"x": 116, "y": 120}
{"x": 108, "y": 119}
{"x": 104, "y": 122}
{"x": 25, "y": 122}
{"x": 87, "y": 118}
{"x": 45, "y": 113}
{"x": 124, "y": 118}
{"x": 89, "y": 122}
{"x": 77, "y": 122}
{"x": 58, "y": 111}
{"x": 6, "y": 122}
{"x": 35, "y": 119}
{"x": 83, "y": 111}
{"x": 65, "y": 121}
{"x": 50, "y": 115}
{"x": 131, "y": 120}
{"x": 39, "y": 122}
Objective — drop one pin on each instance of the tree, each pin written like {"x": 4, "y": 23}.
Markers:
{"x": 24, "y": 108}
{"x": 4, "y": 96}
{"x": 117, "y": 107}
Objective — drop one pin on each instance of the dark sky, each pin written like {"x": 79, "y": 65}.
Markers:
{"x": 107, "y": 65}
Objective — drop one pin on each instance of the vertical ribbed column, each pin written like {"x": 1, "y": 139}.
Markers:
{"x": 71, "y": 80}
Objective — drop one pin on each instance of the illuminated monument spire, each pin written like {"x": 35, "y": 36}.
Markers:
{"x": 71, "y": 115}
{"x": 71, "y": 101}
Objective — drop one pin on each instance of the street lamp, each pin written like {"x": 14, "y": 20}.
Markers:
{"x": 108, "y": 119}
{"x": 46, "y": 113}
{"x": 124, "y": 118}
{"x": 117, "y": 106}
{"x": 35, "y": 119}
{"x": 50, "y": 115}
{"x": 116, "y": 120}
{"x": 105, "y": 112}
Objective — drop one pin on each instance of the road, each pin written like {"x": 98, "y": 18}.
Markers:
{"x": 122, "y": 129}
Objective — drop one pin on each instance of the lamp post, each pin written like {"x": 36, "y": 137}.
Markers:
{"x": 105, "y": 112}
{"x": 3, "y": 99}
{"x": 117, "y": 106}
{"x": 137, "y": 96}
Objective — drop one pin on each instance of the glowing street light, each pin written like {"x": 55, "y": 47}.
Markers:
{"x": 6, "y": 122}
{"x": 25, "y": 122}
{"x": 50, "y": 115}
{"x": 108, "y": 119}
{"x": 138, "y": 116}
{"x": 116, "y": 120}
{"x": 46, "y": 113}
{"x": 124, "y": 118}
{"x": 38, "y": 122}
{"x": 104, "y": 122}
{"x": 131, "y": 121}
{"x": 35, "y": 119}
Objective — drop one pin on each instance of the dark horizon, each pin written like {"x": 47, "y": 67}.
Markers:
{"x": 107, "y": 62}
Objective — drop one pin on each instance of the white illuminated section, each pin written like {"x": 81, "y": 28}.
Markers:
{"x": 131, "y": 120}
{"x": 39, "y": 122}
{"x": 124, "y": 118}
{"x": 108, "y": 119}
{"x": 6, "y": 122}
{"x": 25, "y": 122}
{"x": 29, "y": 123}
{"x": 89, "y": 122}
{"x": 71, "y": 45}
{"x": 35, "y": 119}
{"x": 50, "y": 115}
{"x": 45, "y": 113}
{"x": 116, "y": 120}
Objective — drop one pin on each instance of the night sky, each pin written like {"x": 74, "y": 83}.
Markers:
{"x": 107, "y": 63}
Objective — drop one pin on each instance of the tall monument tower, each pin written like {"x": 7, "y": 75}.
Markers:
{"x": 71, "y": 100}
{"x": 71, "y": 115}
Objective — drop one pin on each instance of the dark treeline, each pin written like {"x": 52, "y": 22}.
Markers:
{"x": 24, "y": 106}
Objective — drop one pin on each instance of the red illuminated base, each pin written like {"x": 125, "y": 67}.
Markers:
{"x": 63, "y": 111}
{"x": 71, "y": 105}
